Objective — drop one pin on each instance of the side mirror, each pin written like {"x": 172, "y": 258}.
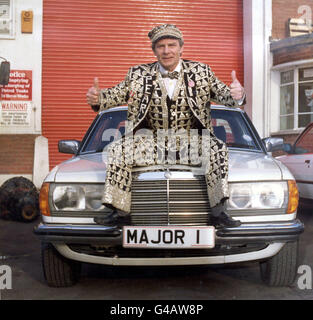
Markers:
{"x": 273, "y": 144}
{"x": 4, "y": 73}
{"x": 287, "y": 147}
{"x": 68, "y": 146}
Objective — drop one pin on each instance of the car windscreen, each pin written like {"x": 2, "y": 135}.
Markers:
{"x": 229, "y": 126}
{"x": 109, "y": 127}
{"x": 304, "y": 143}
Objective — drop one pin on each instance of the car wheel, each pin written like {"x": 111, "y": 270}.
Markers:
{"x": 58, "y": 270}
{"x": 281, "y": 269}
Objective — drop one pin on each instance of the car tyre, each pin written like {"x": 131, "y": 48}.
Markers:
{"x": 281, "y": 269}
{"x": 58, "y": 270}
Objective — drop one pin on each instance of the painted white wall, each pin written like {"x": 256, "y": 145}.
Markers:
{"x": 41, "y": 163}
{"x": 257, "y": 23}
{"x": 274, "y": 101}
{"x": 5, "y": 177}
{"x": 24, "y": 52}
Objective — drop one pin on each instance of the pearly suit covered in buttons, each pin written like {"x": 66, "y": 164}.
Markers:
{"x": 150, "y": 107}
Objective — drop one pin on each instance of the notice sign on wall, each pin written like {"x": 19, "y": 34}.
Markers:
{"x": 16, "y": 99}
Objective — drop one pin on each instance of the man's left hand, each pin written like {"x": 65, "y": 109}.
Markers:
{"x": 236, "y": 90}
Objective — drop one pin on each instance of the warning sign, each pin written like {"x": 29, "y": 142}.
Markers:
{"x": 15, "y": 113}
{"x": 16, "y": 99}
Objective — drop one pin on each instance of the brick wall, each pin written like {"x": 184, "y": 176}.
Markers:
{"x": 17, "y": 153}
{"x": 282, "y": 11}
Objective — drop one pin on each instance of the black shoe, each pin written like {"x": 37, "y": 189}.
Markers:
{"x": 223, "y": 220}
{"x": 115, "y": 218}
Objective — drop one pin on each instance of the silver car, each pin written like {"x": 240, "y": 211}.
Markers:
{"x": 169, "y": 221}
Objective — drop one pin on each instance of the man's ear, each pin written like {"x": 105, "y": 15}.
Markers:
{"x": 181, "y": 50}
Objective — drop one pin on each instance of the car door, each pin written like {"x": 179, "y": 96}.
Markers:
{"x": 301, "y": 163}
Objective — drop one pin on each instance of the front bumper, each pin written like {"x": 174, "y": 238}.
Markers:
{"x": 268, "y": 238}
{"x": 246, "y": 233}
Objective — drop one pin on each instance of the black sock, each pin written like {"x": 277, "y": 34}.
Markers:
{"x": 217, "y": 210}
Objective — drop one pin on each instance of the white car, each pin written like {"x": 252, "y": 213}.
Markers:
{"x": 169, "y": 222}
{"x": 299, "y": 161}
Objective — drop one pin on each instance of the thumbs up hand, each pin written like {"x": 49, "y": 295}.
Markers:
{"x": 236, "y": 90}
{"x": 96, "y": 83}
{"x": 93, "y": 93}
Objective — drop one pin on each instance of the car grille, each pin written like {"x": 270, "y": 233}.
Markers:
{"x": 169, "y": 202}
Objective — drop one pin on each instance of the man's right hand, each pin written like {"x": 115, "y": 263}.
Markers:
{"x": 93, "y": 93}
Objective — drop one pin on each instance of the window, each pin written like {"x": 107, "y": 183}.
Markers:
{"x": 296, "y": 98}
{"x": 232, "y": 129}
{"x": 111, "y": 121}
{"x": 229, "y": 126}
{"x": 287, "y": 100}
{"x": 305, "y": 96}
{"x": 6, "y": 19}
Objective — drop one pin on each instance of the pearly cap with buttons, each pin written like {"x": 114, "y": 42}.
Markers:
{"x": 163, "y": 31}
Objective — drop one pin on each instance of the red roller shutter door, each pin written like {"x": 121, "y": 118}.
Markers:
{"x": 84, "y": 39}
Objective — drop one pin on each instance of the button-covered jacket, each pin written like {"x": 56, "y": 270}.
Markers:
{"x": 142, "y": 89}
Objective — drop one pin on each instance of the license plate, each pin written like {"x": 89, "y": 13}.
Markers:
{"x": 169, "y": 237}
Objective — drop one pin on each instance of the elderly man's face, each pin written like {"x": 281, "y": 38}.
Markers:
{"x": 168, "y": 52}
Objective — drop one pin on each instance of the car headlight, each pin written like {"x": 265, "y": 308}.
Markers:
{"x": 258, "y": 195}
{"x": 71, "y": 197}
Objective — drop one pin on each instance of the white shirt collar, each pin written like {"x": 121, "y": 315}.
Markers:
{"x": 164, "y": 71}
